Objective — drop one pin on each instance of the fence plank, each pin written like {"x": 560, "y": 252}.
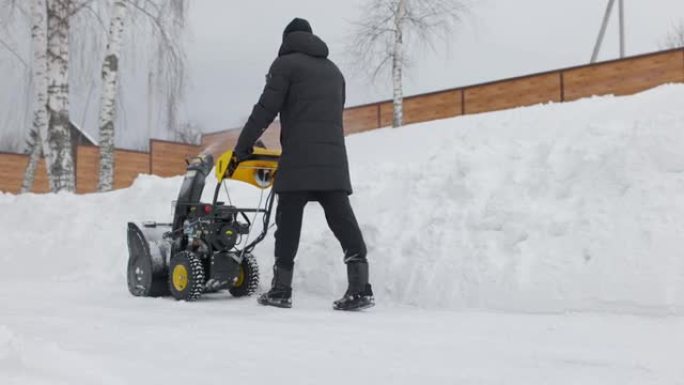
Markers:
{"x": 359, "y": 119}
{"x": 513, "y": 93}
{"x": 168, "y": 158}
{"x": 11, "y": 172}
{"x": 423, "y": 108}
{"x": 129, "y": 164}
{"x": 624, "y": 77}
{"x": 12, "y": 168}
{"x": 87, "y": 169}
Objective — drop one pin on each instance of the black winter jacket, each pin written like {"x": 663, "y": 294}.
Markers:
{"x": 308, "y": 91}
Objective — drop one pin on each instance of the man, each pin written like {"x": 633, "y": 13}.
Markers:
{"x": 308, "y": 91}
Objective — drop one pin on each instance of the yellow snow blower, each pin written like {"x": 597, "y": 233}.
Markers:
{"x": 207, "y": 247}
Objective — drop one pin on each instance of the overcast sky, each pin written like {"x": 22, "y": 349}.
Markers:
{"x": 232, "y": 46}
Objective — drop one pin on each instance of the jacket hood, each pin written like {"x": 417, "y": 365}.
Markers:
{"x": 297, "y": 24}
{"x": 303, "y": 42}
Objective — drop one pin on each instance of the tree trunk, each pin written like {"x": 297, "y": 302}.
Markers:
{"x": 59, "y": 157}
{"x": 35, "y": 152}
{"x": 110, "y": 78}
{"x": 397, "y": 63}
{"x": 38, "y": 139}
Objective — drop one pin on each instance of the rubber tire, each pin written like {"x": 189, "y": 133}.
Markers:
{"x": 193, "y": 265}
{"x": 144, "y": 279}
{"x": 250, "y": 284}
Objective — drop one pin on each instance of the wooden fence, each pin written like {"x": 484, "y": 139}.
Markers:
{"x": 164, "y": 159}
{"x": 619, "y": 77}
{"x": 129, "y": 164}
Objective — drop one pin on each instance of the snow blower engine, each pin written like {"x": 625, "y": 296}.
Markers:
{"x": 207, "y": 248}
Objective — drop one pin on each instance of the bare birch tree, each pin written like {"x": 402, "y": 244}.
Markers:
{"x": 675, "y": 37}
{"x": 38, "y": 144}
{"x": 110, "y": 79}
{"x": 59, "y": 156}
{"x": 161, "y": 21}
{"x": 381, "y": 37}
{"x": 166, "y": 19}
{"x": 39, "y": 132}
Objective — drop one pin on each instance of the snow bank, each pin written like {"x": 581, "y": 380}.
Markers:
{"x": 576, "y": 206}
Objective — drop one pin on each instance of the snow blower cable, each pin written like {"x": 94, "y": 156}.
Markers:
{"x": 261, "y": 199}
{"x": 225, "y": 187}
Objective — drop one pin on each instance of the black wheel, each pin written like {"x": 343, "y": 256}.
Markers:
{"x": 248, "y": 277}
{"x": 186, "y": 276}
{"x": 146, "y": 277}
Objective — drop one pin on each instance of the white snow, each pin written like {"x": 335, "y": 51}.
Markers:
{"x": 540, "y": 245}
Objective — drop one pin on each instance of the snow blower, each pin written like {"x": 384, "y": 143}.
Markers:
{"x": 207, "y": 247}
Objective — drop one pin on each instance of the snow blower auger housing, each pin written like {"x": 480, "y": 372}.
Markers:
{"x": 207, "y": 247}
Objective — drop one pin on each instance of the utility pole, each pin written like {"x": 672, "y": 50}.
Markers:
{"x": 604, "y": 26}
{"x": 602, "y": 32}
{"x": 622, "y": 28}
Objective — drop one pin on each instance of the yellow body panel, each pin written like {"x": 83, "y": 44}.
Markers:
{"x": 258, "y": 171}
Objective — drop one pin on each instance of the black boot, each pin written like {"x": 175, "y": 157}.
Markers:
{"x": 359, "y": 294}
{"x": 280, "y": 294}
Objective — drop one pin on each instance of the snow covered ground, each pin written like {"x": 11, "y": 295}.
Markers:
{"x": 540, "y": 245}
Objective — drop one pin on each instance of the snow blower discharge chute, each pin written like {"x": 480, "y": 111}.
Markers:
{"x": 207, "y": 247}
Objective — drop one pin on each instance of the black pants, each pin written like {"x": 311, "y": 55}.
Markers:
{"x": 338, "y": 213}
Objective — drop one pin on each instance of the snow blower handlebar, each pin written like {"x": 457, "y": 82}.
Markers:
{"x": 257, "y": 170}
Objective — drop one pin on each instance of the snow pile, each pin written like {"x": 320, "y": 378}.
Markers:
{"x": 549, "y": 208}
{"x": 576, "y": 206}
